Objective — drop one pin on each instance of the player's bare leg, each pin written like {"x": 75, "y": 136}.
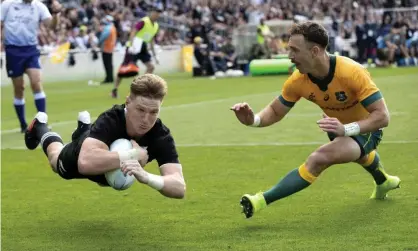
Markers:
{"x": 52, "y": 152}
{"x": 34, "y": 75}
{"x": 118, "y": 80}
{"x": 19, "y": 101}
{"x": 51, "y": 142}
{"x": 340, "y": 150}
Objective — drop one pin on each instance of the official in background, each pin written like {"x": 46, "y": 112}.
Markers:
{"x": 20, "y": 20}
{"x": 107, "y": 42}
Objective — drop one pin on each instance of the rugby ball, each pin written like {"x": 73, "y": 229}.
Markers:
{"x": 116, "y": 178}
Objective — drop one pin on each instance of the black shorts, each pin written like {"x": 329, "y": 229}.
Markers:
{"x": 144, "y": 55}
{"x": 67, "y": 163}
{"x": 129, "y": 67}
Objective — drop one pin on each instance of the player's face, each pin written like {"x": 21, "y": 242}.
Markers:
{"x": 141, "y": 114}
{"x": 300, "y": 53}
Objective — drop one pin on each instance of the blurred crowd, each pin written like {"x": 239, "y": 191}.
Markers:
{"x": 383, "y": 37}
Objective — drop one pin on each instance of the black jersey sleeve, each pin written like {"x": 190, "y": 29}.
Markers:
{"x": 109, "y": 126}
{"x": 162, "y": 147}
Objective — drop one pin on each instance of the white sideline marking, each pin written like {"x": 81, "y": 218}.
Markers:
{"x": 214, "y": 101}
{"x": 10, "y": 131}
{"x": 312, "y": 114}
{"x": 309, "y": 143}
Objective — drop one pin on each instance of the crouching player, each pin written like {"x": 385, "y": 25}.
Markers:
{"x": 354, "y": 115}
{"x": 88, "y": 155}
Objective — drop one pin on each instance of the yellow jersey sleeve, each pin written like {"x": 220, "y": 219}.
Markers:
{"x": 365, "y": 89}
{"x": 290, "y": 94}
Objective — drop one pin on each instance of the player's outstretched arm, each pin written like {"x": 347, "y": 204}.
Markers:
{"x": 271, "y": 114}
{"x": 95, "y": 158}
{"x": 170, "y": 184}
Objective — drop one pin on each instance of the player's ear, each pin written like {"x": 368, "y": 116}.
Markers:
{"x": 315, "y": 51}
{"x": 128, "y": 100}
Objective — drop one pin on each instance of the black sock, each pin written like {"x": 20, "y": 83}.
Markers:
{"x": 41, "y": 129}
{"x": 48, "y": 138}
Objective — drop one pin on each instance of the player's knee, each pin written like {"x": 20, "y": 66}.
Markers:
{"x": 318, "y": 161}
{"x": 19, "y": 88}
{"x": 362, "y": 160}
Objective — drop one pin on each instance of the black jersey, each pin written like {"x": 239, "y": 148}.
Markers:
{"x": 110, "y": 126}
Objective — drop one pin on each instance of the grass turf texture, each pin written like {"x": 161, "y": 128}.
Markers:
{"x": 221, "y": 160}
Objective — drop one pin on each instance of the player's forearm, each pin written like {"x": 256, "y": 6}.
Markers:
{"x": 375, "y": 121}
{"x": 171, "y": 186}
{"x": 268, "y": 116}
{"x": 98, "y": 161}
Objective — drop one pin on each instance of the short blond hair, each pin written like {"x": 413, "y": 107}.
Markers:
{"x": 150, "y": 86}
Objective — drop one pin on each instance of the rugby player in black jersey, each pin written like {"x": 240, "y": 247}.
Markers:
{"x": 87, "y": 156}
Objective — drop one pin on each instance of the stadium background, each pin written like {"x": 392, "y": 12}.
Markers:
{"x": 221, "y": 159}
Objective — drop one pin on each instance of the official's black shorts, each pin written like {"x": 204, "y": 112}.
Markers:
{"x": 67, "y": 163}
{"x": 144, "y": 55}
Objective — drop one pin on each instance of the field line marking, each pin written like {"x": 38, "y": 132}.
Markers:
{"x": 67, "y": 122}
{"x": 249, "y": 144}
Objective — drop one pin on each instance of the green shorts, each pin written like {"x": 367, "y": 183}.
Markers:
{"x": 367, "y": 141}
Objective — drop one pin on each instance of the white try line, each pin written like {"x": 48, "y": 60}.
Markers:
{"x": 188, "y": 105}
{"x": 57, "y": 124}
{"x": 252, "y": 144}
{"x": 170, "y": 107}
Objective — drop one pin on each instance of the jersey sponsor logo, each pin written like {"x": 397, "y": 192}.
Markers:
{"x": 340, "y": 109}
{"x": 341, "y": 96}
{"x": 312, "y": 97}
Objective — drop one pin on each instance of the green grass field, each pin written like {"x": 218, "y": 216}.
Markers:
{"x": 221, "y": 160}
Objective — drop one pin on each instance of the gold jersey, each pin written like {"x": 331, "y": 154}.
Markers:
{"x": 343, "y": 94}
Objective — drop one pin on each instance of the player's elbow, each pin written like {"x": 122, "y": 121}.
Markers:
{"x": 84, "y": 165}
{"x": 180, "y": 191}
{"x": 384, "y": 119}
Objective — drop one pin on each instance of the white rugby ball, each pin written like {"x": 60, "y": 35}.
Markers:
{"x": 116, "y": 178}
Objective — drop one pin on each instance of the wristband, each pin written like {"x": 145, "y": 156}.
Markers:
{"x": 351, "y": 129}
{"x": 155, "y": 181}
{"x": 132, "y": 154}
{"x": 257, "y": 121}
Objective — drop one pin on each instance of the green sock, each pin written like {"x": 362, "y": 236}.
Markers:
{"x": 373, "y": 166}
{"x": 293, "y": 182}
